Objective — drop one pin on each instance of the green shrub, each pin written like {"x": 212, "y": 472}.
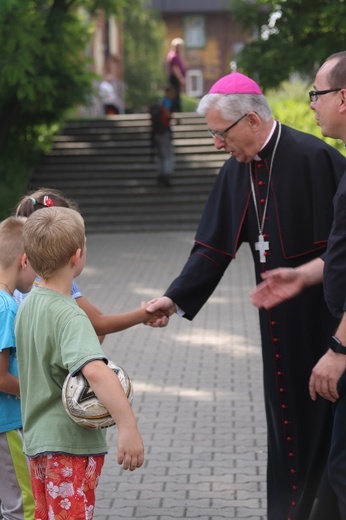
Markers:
{"x": 291, "y": 106}
{"x": 18, "y": 158}
{"x": 188, "y": 104}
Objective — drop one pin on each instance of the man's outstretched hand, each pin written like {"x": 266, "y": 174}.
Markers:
{"x": 278, "y": 286}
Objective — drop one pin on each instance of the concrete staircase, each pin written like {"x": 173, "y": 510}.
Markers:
{"x": 107, "y": 166}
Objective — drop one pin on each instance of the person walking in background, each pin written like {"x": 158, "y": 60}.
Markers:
{"x": 161, "y": 135}
{"x": 276, "y": 194}
{"x": 328, "y": 378}
{"x": 66, "y": 458}
{"x": 110, "y": 100}
{"x": 16, "y": 499}
{"x": 176, "y": 71}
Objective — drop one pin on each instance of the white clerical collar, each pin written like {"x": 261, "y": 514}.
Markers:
{"x": 257, "y": 157}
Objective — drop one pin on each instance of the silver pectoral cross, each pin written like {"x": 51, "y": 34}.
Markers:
{"x": 262, "y": 246}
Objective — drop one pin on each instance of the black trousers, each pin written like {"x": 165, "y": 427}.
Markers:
{"x": 337, "y": 456}
{"x": 176, "y": 103}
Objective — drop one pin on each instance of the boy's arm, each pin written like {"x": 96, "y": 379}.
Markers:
{"x": 9, "y": 384}
{"x": 108, "y": 323}
{"x": 107, "y": 387}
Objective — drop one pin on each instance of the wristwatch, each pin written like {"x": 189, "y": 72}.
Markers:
{"x": 336, "y": 346}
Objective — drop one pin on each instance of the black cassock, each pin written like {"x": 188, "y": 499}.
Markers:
{"x": 294, "y": 334}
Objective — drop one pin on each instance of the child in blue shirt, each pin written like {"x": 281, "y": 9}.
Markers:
{"x": 15, "y": 273}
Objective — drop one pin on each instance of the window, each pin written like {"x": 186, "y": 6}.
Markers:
{"x": 194, "y": 32}
{"x": 194, "y": 83}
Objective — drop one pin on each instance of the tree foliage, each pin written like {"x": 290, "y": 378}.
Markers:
{"x": 44, "y": 71}
{"x": 144, "y": 33}
{"x": 291, "y": 105}
{"x": 43, "y": 64}
{"x": 289, "y": 36}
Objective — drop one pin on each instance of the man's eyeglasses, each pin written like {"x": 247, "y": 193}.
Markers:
{"x": 313, "y": 94}
{"x": 222, "y": 134}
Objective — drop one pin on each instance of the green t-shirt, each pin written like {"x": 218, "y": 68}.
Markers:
{"x": 54, "y": 337}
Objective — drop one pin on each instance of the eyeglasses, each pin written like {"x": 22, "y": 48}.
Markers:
{"x": 222, "y": 134}
{"x": 313, "y": 94}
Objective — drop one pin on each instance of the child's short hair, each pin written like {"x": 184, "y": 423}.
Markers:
{"x": 51, "y": 236}
{"x": 11, "y": 240}
{"x": 170, "y": 90}
{"x": 43, "y": 198}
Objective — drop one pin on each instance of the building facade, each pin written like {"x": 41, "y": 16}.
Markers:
{"x": 211, "y": 37}
{"x": 106, "y": 56}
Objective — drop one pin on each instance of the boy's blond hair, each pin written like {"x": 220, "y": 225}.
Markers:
{"x": 11, "y": 240}
{"x": 51, "y": 237}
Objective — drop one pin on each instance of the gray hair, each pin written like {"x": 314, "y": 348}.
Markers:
{"x": 233, "y": 106}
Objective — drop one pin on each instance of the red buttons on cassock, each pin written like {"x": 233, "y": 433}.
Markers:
{"x": 276, "y": 340}
{"x": 261, "y": 183}
{"x": 273, "y": 323}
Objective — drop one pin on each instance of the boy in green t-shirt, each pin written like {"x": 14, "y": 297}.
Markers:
{"x": 54, "y": 338}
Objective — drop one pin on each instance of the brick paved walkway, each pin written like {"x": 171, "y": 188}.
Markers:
{"x": 198, "y": 387}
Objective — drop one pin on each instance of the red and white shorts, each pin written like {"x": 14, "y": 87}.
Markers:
{"x": 64, "y": 485}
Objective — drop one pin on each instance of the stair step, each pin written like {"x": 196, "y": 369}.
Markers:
{"x": 109, "y": 168}
{"x": 89, "y": 185}
{"x": 194, "y": 160}
{"x": 195, "y": 168}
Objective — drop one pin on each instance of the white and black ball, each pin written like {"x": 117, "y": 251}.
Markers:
{"x": 82, "y": 405}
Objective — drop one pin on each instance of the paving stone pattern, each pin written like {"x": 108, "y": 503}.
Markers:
{"x": 198, "y": 387}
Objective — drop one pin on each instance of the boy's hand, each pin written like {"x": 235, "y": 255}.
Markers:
{"x": 130, "y": 448}
{"x": 157, "y": 321}
{"x": 157, "y": 317}
{"x": 160, "y": 308}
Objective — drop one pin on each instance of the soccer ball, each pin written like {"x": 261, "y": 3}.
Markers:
{"x": 82, "y": 405}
